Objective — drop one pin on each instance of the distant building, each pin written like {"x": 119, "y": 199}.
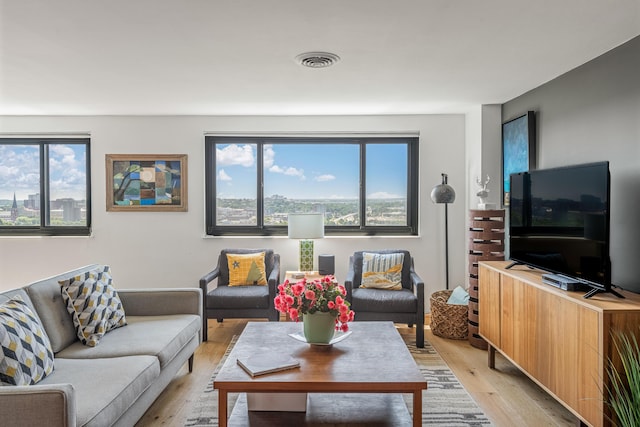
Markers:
{"x": 70, "y": 210}
{"x": 14, "y": 208}
{"x": 33, "y": 202}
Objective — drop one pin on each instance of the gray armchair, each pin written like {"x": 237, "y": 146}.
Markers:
{"x": 402, "y": 306}
{"x": 232, "y": 302}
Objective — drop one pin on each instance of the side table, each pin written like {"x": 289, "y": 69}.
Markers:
{"x": 292, "y": 275}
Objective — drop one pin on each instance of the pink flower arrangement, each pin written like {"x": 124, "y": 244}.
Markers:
{"x": 309, "y": 296}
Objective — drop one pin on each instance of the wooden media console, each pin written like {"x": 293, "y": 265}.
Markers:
{"x": 561, "y": 340}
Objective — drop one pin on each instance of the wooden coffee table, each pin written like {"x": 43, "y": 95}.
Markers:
{"x": 373, "y": 359}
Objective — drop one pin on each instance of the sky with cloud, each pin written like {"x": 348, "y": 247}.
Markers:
{"x": 20, "y": 171}
{"x": 301, "y": 171}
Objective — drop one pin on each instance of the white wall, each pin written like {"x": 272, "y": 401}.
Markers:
{"x": 473, "y": 155}
{"x": 168, "y": 249}
{"x": 484, "y": 153}
{"x": 483, "y": 156}
{"x": 492, "y": 152}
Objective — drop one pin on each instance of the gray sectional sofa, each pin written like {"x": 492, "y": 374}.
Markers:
{"x": 115, "y": 382}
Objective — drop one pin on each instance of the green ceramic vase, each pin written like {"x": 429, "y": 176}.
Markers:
{"x": 319, "y": 327}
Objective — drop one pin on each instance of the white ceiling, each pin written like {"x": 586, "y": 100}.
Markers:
{"x": 214, "y": 57}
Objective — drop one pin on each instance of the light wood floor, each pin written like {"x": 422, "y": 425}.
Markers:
{"x": 506, "y": 395}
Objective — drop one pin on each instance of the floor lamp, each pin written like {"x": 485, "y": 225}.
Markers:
{"x": 444, "y": 193}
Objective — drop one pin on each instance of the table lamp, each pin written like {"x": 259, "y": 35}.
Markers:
{"x": 306, "y": 226}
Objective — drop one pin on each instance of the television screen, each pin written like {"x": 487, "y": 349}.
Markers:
{"x": 559, "y": 221}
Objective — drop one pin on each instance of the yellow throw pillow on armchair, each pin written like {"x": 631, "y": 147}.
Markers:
{"x": 246, "y": 269}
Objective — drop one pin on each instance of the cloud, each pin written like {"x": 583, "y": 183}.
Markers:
{"x": 67, "y": 171}
{"x": 269, "y": 164}
{"x": 7, "y": 171}
{"x": 325, "y": 178}
{"x": 269, "y": 156}
{"x": 223, "y": 176}
{"x": 62, "y": 157}
{"x": 71, "y": 183}
{"x": 290, "y": 171}
{"x": 235, "y": 155}
{"x": 383, "y": 195}
{"x": 19, "y": 170}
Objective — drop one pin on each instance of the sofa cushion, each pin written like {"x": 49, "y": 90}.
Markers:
{"x": 382, "y": 271}
{"x": 46, "y": 297}
{"x": 246, "y": 269}
{"x": 105, "y": 388}
{"x": 26, "y": 355}
{"x": 93, "y": 304}
{"x": 231, "y": 297}
{"x": 383, "y": 301}
{"x": 160, "y": 336}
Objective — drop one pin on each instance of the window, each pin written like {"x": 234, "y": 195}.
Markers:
{"x": 365, "y": 186}
{"x": 45, "y": 186}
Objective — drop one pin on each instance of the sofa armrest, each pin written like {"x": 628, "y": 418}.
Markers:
{"x": 208, "y": 278}
{"x": 417, "y": 285}
{"x": 38, "y": 405}
{"x": 159, "y": 302}
{"x": 350, "y": 277}
{"x": 274, "y": 276}
{"x": 272, "y": 282}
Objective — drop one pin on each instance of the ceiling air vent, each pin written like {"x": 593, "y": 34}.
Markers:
{"x": 317, "y": 59}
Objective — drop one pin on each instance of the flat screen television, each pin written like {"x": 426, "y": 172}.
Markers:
{"x": 559, "y": 222}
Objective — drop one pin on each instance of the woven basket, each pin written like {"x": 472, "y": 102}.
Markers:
{"x": 448, "y": 320}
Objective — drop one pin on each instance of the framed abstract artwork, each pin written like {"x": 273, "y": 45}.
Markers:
{"x": 146, "y": 182}
{"x": 518, "y": 149}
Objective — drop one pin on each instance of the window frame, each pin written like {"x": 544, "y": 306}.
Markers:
{"x": 411, "y": 229}
{"x": 45, "y": 203}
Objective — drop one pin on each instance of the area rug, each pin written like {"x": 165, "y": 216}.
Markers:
{"x": 444, "y": 403}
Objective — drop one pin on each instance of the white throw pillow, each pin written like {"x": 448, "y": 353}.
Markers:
{"x": 382, "y": 271}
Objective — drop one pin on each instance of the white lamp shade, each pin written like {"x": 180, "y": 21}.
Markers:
{"x": 306, "y": 226}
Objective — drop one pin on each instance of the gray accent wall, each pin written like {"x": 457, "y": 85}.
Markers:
{"x": 589, "y": 114}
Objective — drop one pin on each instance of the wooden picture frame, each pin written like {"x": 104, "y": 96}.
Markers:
{"x": 518, "y": 149}
{"x": 146, "y": 182}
